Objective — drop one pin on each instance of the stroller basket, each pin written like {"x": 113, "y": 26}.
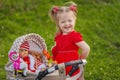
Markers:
{"x": 36, "y": 43}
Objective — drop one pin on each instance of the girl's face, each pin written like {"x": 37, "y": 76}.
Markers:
{"x": 23, "y": 53}
{"x": 66, "y": 22}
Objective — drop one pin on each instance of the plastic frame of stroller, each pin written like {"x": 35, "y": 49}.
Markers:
{"x": 60, "y": 66}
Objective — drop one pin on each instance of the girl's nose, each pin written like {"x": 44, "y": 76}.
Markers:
{"x": 67, "y": 23}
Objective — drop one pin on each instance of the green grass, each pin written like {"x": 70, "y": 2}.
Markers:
{"x": 98, "y": 21}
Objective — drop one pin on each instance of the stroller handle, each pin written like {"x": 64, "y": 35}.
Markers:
{"x": 82, "y": 61}
{"x": 50, "y": 70}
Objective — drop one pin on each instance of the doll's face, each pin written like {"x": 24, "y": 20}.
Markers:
{"x": 67, "y": 22}
{"x": 23, "y": 53}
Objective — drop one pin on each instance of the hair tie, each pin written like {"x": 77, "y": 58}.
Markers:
{"x": 55, "y": 9}
{"x": 73, "y": 8}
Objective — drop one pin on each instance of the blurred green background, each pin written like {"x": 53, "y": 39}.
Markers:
{"x": 97, "y": 20}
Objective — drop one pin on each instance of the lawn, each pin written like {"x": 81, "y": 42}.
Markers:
{"x": 97, "y": 20}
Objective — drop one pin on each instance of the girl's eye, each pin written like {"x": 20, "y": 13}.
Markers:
{"x": 63, "y": 22}
{"x": 70, "y": 20}
{"x": 25, "y": 50}
{"x": 21, "y": 50}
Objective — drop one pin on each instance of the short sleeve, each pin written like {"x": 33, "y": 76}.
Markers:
{"x": 77, "y": 37}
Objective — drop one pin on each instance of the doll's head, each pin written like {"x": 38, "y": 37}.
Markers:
{"x": 64, "y": 17}
{"x": 36, "y": 55}
{"x": 24, "y": 48}
{"x": 14, "y": 57}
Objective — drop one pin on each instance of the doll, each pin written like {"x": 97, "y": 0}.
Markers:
{"x": 18, "y": 62}
{"x": 38, "y": 65}
{"x": 33, "y": 59}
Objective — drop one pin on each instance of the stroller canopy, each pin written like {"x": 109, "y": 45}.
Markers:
{"x": 36, "y": 43}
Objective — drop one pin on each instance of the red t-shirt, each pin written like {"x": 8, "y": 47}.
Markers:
{"x": 65, "y": 49}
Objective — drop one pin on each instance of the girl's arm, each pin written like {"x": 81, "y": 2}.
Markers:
{"x": 85, "y": 49}
{"x": 54, "y": 51}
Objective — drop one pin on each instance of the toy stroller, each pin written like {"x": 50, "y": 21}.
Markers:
{"x": 37, "y": 43}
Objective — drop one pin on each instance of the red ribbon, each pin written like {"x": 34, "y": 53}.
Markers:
{"x": 73, "y": 8}
{"x": 55, "y": 9}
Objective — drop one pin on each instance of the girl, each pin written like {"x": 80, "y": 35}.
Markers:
{"x": 67, "y": 39}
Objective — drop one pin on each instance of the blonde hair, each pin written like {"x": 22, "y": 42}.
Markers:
{"x": 55, "y": 10}
{"x": 37, "y": 55}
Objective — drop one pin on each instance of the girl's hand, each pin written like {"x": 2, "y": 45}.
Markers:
{"x": 54, "y": 62}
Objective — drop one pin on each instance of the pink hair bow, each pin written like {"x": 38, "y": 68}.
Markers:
{"x": 55, "y": 9}
{"x": 73, "y": 8}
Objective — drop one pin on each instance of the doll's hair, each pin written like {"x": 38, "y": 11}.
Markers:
{"x": 37, "y": 55}
{"x": 56, "y": 10}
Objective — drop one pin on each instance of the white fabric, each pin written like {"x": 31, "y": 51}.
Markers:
{"x": 23, "y": 66}
{"x": 41, "y": 66}
{"x": 32, "y": 62}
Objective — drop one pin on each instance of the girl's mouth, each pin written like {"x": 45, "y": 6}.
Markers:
{"x": 67, "y": 27}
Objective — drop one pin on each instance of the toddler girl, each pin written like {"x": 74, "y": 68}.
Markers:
{"x": 67, "y": 39}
